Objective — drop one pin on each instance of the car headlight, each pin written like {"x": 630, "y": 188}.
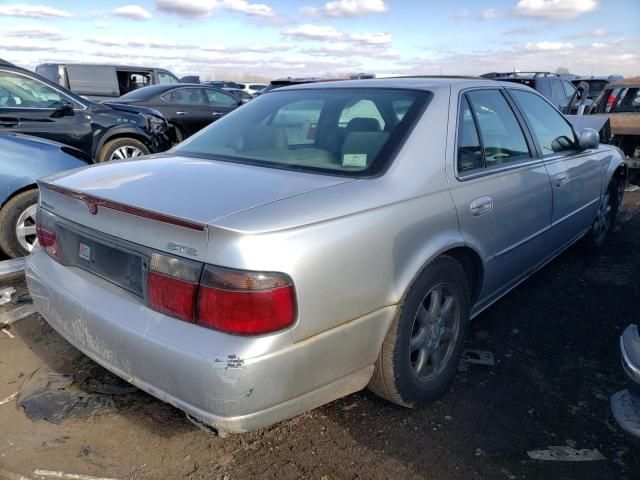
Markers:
{"x": 156, "y": 124}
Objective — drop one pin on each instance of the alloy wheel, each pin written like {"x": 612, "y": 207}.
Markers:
{"x": 602, "y": 222}
{"x": 126, "y": 151}
{"x": 436, "y": 327}
{"x": 26, "y": 228}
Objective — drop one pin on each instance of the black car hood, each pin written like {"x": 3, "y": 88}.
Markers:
{"x": 126, "y": 107}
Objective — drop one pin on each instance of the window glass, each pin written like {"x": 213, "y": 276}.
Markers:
{"x": 557, "y": 91}
{"x": 335, "y": 131}
{"x": 628, "y": 101}
{"x": 568, "y": 88}
{"x": 553, "y": 131}
{"x": 361, "y": 109}
{"x": 469, "y": 149}
{"x": 607, "y": 100}
{"x": 187, "y": 96}
{"x": 257, "y": 86}
{"x": 24, "y": 92}
{"x": 220, "y": 99}
{"x": 502, "y": 137}
{"x": 299, "y": 120}
{"x": 400, "y": 108}
{"x": 165, "y": 77}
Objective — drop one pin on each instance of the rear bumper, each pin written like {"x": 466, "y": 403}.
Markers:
{"x": 232, "y": 383}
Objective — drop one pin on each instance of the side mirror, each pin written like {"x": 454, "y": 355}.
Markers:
{"x": 63, "y": 109}
{"x": 589, "y": 138}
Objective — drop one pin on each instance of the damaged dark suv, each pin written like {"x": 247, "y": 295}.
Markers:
{"x": 32, "y": 105}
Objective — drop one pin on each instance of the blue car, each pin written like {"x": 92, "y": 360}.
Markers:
{"x": 23, "y": 160}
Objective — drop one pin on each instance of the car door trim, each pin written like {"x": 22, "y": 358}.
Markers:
{"x": 575, "y": 212}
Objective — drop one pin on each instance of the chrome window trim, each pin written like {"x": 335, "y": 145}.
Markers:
{"x": 72, "y": 100}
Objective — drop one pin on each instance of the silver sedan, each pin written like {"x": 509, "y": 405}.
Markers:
{"x": 319, "y": 240}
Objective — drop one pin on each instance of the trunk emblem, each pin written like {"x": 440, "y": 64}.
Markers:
{"x": 92, "y": 206}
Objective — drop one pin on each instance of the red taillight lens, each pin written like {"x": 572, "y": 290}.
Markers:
{"x": 170, "y": 296}
{"x": 46, "y": 232}
{"x": 234, "y": 301}
{"x": 610, "y": 100}
{"x": 245, "y": 303}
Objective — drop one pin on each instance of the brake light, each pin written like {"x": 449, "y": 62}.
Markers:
{"x": 246, "y": 303}
{"x": 46, "y": 233}
{"x": 235, "y": 301}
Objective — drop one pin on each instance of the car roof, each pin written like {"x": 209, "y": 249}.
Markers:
{"x": 627, "y": 82}
{"x": 114, "y": 65}
{"x": 409, "y": 83}
{"x": 153, "y": 90}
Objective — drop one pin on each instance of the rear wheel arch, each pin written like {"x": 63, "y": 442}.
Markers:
{"x": 126, "y": 133}
{"x": 26, "y": 188}
{"x": 143, "y": 145}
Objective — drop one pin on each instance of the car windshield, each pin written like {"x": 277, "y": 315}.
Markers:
{"x": 346, "y": 131}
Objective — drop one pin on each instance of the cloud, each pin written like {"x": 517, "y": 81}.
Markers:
{"x": 105, "y": 41}
{"x": 132, "y": 12}
{"x": 554, "y": 9}
{"x": 25, "y": 47}
{"x": 375, "y": 38}
{"x": 35, "y": 31}
{"x": 346, "y": 8}
{"x": 102, "y": 25}
{"x": 597, "y": 33}
{"x": 548, "y": 46}
{"x": 461, "y": 15}
{"x": 313, "y": 32}
{"x": 253, "y": 9}
{"x": 188, "y": 8}
{"x": 519, "y": 31}
{"x": 490, "y": 14}
{"x": 32, "y": 11}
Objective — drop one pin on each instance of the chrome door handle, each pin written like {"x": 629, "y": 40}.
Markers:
{"x": 217, "y": 114}
{"x": 481, "y": 205}
{"x": 181, "y": 113}
{"x": 561, "y": 179}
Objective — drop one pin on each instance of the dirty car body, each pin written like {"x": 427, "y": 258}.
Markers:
{"x": 256, "y": 271}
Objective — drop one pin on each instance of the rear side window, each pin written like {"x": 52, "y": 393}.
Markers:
{"x": 220, "y": 99}
{"x": 556, "y": 90}
{"x": 501, "y": 137}
{"x": 469, "y": 148}
{"x": 552, "y": 130}
{"x": 187, "y": 96}
{"x": 628, "y": 101}
{"x": 341, "y": 131}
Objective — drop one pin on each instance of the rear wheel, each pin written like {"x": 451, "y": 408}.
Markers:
{"x": 420, "y": 355}
{"x": 177, "y": 136}
{"x": 18, "y": 224}
{"x": 121, "y": 148}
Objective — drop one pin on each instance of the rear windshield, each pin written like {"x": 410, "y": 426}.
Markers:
{"x": 350, "y": 131}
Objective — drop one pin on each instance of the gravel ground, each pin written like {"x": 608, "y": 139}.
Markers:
{"x": 555, "y": 340}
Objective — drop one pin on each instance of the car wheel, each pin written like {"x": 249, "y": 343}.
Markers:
{"x": 605, "y": 218}
{"x": 18, "y": 224}
{"x": 420, "y": 354}
{"x": 177, "y": 134}
{"x": 122, "y": 148}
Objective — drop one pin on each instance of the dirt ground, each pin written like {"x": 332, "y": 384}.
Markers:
{"x": 555, "y": 340}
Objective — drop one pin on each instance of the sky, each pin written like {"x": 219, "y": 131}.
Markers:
{"x": 235, "y": 39}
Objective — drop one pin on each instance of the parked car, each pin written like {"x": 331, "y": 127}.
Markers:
{"x": 32, "y": 105}
{"x": 321, "y": 238}
{"x": 187, "y": 107}
{"x": 239, "y": 94}
{"x": 104, "y": 82}
{"x": 253, "y": 88}
{"x": 558, "y": 90}
{"x": 596, "y": 84}
{"x": 23, "y": 160}
{"x": 620, "y": 101}
{"x": 224, "y": 84}
{"x": 625, "y": 404}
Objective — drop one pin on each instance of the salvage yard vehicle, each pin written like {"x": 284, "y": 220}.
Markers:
{"x": 104, "y": 82}
{"x": 620, "y": 101}
{"x": 187, "y": 107}
{"x": 23, "y": 160}
{"x": 625, "y": 404}
{"x": 32, "y": 105}
{"x": 255, "y": 272}
{"x": 596, "y": 83}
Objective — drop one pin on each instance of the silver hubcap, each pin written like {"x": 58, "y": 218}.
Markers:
{"x": 603, "y": 217}
{"x": 434, "y": 333}
{"x": 127, "y": 151}
{"x": 26, "y": 228}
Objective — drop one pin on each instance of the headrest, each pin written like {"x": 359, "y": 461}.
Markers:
{"x": 361, "y": 148}
{"x": 363, "y": 124}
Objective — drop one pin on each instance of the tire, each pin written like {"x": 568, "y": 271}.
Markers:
{"x": 605, "y": 220}
{"x": 19, "y": 211}
{"x": 178, "y": 137}
{"x": 400, "y": 376}
{"x": 127, "y": 147}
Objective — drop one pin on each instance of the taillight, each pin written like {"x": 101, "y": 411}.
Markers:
{"x": 234, "y": 301}
{"x": 246, "y": 303}
{"x": 46, "y": 232}
{"x": 172, "y": 286}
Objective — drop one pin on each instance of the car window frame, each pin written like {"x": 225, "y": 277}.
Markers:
{"x": 62, "y": 93}
{"x": 554, "y": 155}
{"x": 534, "y": 152}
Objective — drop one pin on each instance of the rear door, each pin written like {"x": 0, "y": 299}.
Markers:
{"x": 220, "y": 103}
{"x": 188, "y": 109}
{"x": 500, "y": 188}
{"x": 31, "y": 107}
{"x": 575, "y": 175}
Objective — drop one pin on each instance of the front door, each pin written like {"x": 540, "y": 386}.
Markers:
{"x": 31, "y": 107}
{"x": 575, "y": 175}
{"x": 501, "y": 190}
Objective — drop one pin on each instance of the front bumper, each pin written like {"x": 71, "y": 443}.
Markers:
{"x": 231, "y": 383}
